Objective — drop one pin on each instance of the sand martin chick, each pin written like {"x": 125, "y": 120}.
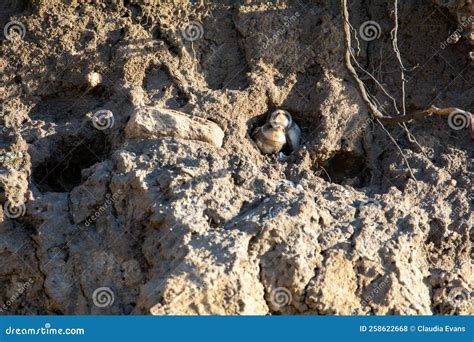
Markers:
{"x": 269, "y": 138}
{"x": 283, "y": 119}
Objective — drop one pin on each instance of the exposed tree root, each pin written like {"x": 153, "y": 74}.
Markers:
{"x": 372, "y": 107}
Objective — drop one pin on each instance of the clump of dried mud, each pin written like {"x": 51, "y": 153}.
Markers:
{"x": 172, "y": 224}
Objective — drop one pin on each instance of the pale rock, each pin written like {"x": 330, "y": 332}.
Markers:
{"x": 152, "y": 123}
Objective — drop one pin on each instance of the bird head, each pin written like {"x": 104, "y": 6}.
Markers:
{"x": 280, "y": 118}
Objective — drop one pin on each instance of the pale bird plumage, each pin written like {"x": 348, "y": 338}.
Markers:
{"x": 270, "y": 139}
{"x": 279, "y": 131}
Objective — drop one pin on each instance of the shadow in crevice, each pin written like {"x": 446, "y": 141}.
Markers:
{"x": 67, "y": 105}
{"x": 61, "y": 171}
{"x": 347, "y": 168}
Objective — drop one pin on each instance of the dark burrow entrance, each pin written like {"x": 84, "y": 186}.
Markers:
{"x": 261, "y": 119}
{"x": 345, "y": 167}
{"x": 61, "y": 172}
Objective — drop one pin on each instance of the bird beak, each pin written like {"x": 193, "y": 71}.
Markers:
{"x": 276, "y": 126}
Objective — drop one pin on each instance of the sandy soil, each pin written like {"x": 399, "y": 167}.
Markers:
{"x": 108, "y": 208}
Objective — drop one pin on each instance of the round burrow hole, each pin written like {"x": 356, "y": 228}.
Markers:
{"x": 347, "y": 168}
{"x": 62, "y": 170}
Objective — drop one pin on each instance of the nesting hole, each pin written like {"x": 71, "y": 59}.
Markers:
{"x": 62, "y": 170}
{"x": 347, "y": 168}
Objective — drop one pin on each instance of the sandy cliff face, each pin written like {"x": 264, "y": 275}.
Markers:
{"x": 130, "y": 183}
